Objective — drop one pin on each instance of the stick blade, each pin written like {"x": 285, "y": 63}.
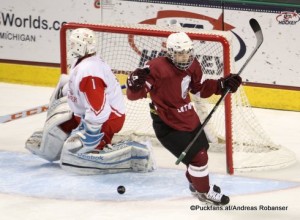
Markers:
{"x": 254, "y": 25}
{"x": 257, "y": 31}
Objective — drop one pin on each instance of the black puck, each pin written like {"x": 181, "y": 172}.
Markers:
{"x": 121, "y": 189}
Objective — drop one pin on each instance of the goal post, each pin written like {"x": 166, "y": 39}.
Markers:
{"x": 233, "y": 128}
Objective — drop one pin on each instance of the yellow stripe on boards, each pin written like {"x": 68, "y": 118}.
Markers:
{"x": 28, "y": 74}
{"x": 272, "y": 98}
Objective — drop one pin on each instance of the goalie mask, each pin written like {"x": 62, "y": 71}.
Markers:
{"x": 180, "y": 50}
{"x": 83, "y": 42}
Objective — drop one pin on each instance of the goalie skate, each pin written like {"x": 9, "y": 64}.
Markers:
{"x": 213, "y": 197}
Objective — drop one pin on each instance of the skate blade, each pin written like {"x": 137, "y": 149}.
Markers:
{"x": 209, "y": 202}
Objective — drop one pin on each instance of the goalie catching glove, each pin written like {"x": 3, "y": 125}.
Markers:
{"x": 137, "y": 79}
{"x": 231, "y": 82}
{"x": 89, "y": 134}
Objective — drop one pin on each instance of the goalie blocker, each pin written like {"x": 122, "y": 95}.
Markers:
{"x": 52, "y": 143}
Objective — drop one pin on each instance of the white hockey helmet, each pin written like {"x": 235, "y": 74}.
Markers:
{"x": 83, "y": 42}
{"x": 180, "y": 50}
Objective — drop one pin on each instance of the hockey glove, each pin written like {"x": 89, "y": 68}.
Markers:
{"x": 137, "y": 79}
{"x": 231, "y": 82}
{"x": 90, "y": 136}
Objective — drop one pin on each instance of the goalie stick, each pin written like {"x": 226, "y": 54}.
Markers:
{"x": 259, "y": 39}
{"x": 29, "y": 112}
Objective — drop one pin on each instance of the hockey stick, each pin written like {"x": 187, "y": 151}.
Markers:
{"x": 259, "y": 39}
{"x": 29, "y": 112}
{"x": 23, "y": 114}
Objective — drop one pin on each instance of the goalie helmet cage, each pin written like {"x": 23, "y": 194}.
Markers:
{"x": 126, "y": 47}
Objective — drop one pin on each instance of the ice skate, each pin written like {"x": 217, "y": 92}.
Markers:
{"x": 213, "y": 197}
{"x": 194, "y": 192}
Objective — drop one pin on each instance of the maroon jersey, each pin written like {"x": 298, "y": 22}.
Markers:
{"x": 169, "y": 89}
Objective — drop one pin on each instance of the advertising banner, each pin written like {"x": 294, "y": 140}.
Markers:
{"x": 29, "y": 30}
{"x": 276, "y": 62}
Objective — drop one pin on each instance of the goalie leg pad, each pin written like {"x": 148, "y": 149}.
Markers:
{"x": 48, "y": 143}
{"x": 120, "y": 157}
{"x": 47, "y": 146}
{"x": 139, "y": 151}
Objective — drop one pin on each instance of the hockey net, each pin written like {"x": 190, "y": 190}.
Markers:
{"x": 233, "y": 128}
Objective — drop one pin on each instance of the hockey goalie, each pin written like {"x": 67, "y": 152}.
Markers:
{"x": 86, "y": 109}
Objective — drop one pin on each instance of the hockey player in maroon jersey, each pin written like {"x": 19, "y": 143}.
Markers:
{"x": 169, "y": 80}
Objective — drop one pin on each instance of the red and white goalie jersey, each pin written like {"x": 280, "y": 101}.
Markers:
{"x": 94, "y": 92}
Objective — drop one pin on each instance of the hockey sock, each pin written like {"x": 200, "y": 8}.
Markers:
{"x": 197, "y": 172}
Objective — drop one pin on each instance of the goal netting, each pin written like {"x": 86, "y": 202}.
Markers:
{"x": 233, "y": 128}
